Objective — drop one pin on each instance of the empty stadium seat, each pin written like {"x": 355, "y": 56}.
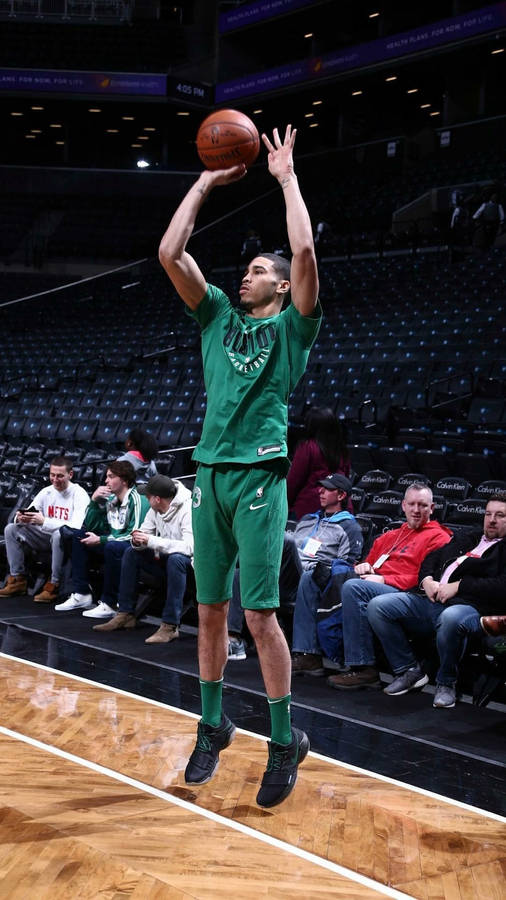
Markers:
{"x": 468, "y": 511}
{"x": 375, "y": 480}
{"x": 453, "y": 487}
{"x": 487, "y": 488}
{"x": 384, "y": 503}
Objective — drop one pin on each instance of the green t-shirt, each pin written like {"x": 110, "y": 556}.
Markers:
{"x": 251, "y": 366}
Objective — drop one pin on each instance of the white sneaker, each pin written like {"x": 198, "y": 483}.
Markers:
{"x": 102, "y": 611}
{"x": 76, "y": 601}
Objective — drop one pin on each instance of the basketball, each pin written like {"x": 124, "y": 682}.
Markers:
{"x": 227, "y": 138}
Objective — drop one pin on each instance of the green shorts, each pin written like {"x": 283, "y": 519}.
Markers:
{"x": 239, "y": 512}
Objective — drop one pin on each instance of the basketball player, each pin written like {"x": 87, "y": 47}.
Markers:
{"x": 253, "y": 358}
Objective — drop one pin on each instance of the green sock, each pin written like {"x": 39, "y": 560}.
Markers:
{"x": 210, "y": 694}
{"x": 281, "y": 727}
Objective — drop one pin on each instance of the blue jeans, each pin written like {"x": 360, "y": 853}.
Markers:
{"x": 396, "y": 617}
{"x": 173, "y": 567}
{"x": 358, "y": 635}
{"x": 110, "y": 552}
{"x": 305, "y": 636}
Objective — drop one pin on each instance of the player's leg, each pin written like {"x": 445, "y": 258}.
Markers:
{"x": 259, "y": 527}
{"x": 213, "y": 576}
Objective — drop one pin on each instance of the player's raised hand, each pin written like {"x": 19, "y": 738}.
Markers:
{"x": 280, "y": 158}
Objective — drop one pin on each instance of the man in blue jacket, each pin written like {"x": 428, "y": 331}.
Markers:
{"x": 319, "y": 540}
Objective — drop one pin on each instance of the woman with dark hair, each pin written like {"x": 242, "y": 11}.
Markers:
{"x": 322, "y": 452}
{"x": 141, "y": 448}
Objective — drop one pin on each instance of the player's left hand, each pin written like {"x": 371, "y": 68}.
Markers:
{"x": 280, "y": 158}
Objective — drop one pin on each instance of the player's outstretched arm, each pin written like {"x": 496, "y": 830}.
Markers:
{"x": 180, "y": 266}
{"x": 304, "y": 272}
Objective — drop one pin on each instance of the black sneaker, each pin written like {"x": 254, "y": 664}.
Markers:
{"x": 281, "y": 772}
{"x": 210, "y": 740}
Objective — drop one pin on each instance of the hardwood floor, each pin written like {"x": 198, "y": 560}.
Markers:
{"x": 69, "y": 829}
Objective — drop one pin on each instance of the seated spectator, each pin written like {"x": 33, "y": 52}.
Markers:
{"x": 323, "y": 450}
{"x": 165, "y": 540}
{"x": 38, "y": 528}
{"x": 116, "y": 510}
{"x": 141, "y": 449}
{"x": 335, "y": 535}
{"x": 319, "y": 538}
{"x": 462, "y": 581}
{"x": 391, "y": 566}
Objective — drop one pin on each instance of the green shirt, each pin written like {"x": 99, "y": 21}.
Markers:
{"x": 251, "y": 366}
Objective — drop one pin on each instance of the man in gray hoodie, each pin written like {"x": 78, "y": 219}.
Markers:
{"x": 166, "y": 541}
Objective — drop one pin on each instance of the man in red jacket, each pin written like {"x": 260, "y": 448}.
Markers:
{"x": 391, "y": 565}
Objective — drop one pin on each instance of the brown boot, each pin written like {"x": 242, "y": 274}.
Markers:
{"x": 15, "y": 584}
{"x": 120, "y": 620}
{"x": 365, "y": 677}
{"x": 48, "y": 593}
{"x": 164, "y": 634}
{"x": 493, "y": 625}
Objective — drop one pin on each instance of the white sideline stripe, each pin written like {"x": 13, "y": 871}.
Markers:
{"x": 327, "y": 759}
{"x": 212, "y": 816}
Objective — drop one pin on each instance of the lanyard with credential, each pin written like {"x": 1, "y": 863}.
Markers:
{"x": 384, "y": 556}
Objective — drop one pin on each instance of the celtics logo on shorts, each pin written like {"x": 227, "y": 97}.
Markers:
{"x": 196, "y": 497}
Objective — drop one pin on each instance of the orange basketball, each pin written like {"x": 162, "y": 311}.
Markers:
{"x": 227, "y": 138}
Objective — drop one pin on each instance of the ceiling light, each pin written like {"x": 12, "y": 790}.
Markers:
{"x": 425, "y": 105}
{"x": 60, "y": 143}
{"x": 17, "y": 114}
{"x": 436, "y": 112}
{"x": 309, "y": 34}
{"x": 356, "y": 93}
{"x": 37, "y": 107}
{"x": 308, "y": 115}
{"x": 412, "y": 91}
{"x": 56, "y": 125}
{"x": 136, "y": 145}
{"x": 112, "y": 130}
{"x": 373, "y": 15}
{"x": 148, "y": 128}
{"x": 257, "y": 111}
{"x": 182, "y": 114}
{"x": 128, "y": 118}
{"x": 36, "y": 130}
{"x": 499, "y": 50}
{"x": 30, "y": 136}
{"x": 314, "y": 125}
{"x": 142, "y": 137}
{"x": 391, "y": 78}
{"x": 94, "y": 109}
{"x": 142, "y": 164}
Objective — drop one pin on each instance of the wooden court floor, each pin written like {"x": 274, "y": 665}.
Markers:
{"x": 94, "y": 805}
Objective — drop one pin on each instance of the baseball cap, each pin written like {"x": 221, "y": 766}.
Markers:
{"x": 336, "y": 482}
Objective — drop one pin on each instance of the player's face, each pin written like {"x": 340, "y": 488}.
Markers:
{"x": 417, "y": 507}
{"x": 59, "y": 477}
{"x": 259, "y": 284}
{"x": 495, "y": 520}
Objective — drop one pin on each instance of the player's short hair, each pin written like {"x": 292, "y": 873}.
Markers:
{"x": 280, "y": 264}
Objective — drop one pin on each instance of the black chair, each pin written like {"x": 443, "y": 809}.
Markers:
{"x": 357, "y": 497}
{"x": 486, "y": 488}
{"x": 469, "y": 511}
{"x": 453, "y": 487}
{"x": 407, "y": 478}
{"x": 369, "y": 529}
{"x": 440, "y": 507}
{"x": 375, "y": 480}
{"x": 476, "y": 467}
{"x": 385, "y": 503}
